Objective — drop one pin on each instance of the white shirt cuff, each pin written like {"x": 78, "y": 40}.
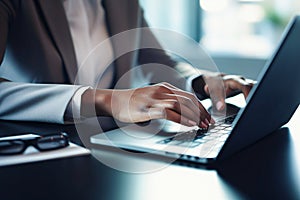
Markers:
{"x": 73, "y": 109}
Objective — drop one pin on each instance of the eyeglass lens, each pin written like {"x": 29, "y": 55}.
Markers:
{"x": 11, "y": 147}
{"x": 43, "y": 143}
{"x": 52, "y": 142}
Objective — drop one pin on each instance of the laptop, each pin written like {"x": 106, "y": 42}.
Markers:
{"x": 270, "y": 105}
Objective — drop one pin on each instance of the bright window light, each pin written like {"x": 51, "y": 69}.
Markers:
{"x": 251, "y": 13}
{"x": 213, "y": 5}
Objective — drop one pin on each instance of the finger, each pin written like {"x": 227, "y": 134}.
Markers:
{"x": 184, "y": 93}
{"x": 215, "y": 87}
{"x": 193, "y": 98}
{"x": 163, "y": 113}
{"x": 217, "y": 95}
{"x": 239, "y": 84}
{"x": 170, "y": 89}
{"x": 247, "y": 87}
{"x": 179, "y": 101}
{"x": 246, "y": 90}
{"x": 181, "y": 109}
{"x": 178, "y": 91}
{"x": 188, "y": 108}
{"x": 175, "y": 117}
{"x": 170, "y": 86}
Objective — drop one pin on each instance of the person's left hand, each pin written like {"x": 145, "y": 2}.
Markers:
{"x": 228, "y": 84}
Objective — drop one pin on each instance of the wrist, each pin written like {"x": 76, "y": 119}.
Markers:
{"x": 198, "y": 84}
{"x": 96, "y": 102}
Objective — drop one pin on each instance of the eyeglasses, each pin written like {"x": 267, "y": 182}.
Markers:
{"x": 42, "y": 143}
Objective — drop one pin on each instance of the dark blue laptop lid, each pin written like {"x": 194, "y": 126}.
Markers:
{"x": 275, "y": 97}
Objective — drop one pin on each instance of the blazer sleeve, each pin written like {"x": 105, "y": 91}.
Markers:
{"x": 35, "y": 102}
{"x": 165, "y": 68}
{"x": 29, "y": 101}
{"x": 5, "y": 12}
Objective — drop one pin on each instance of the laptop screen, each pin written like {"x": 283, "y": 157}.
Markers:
{"x": 274, "y": 99}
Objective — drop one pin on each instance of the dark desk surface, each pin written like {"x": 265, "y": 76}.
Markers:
{"x": 270, "y": 169}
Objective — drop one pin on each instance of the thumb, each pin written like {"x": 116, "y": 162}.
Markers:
{"x": 216, "y": 90}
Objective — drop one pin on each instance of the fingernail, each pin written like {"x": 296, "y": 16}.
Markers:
{"x": 206, "y": 121}
{"x": 212, "y": 121}
{"x": 192, "y": 123}
{"x": 219, "y": 105}
{"x": 204, "y": 125}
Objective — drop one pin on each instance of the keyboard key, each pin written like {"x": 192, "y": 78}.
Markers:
{"x": 200, "y": 140}
{"x": 228, "y": 128}
{"x": 223, "y": 138}
{"x": 212, "y": 131}
{"x": 223, "y": 132}
{"x": 190, "y": 144}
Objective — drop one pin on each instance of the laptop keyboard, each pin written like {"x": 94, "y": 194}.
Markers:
{"x": 216, "y": 134}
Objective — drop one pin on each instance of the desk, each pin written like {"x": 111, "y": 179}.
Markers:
{"x": 270, "y": 169}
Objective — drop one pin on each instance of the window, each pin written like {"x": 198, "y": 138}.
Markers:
{"x": 182, "y": 16}
{"x": 249, "y": 28}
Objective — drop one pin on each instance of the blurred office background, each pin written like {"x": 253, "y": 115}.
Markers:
{"x": 238, "y": 34}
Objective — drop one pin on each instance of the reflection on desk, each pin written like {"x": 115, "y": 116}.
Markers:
{"x": 269, "y": 169}
{"x": 33, "y": 155}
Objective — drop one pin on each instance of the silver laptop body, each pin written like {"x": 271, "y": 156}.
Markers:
{"x": 270, "y": 105}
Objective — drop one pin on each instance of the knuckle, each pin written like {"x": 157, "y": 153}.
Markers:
{"x": 158, "y": 89}
{"x": 174, "y": 104}
{"x": 188, "y": 101}
{"x": 164, "y": 83}
{"x": 161, "y": 87}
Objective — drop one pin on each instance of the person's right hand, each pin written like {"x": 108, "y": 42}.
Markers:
{"x": 160, "y": 101}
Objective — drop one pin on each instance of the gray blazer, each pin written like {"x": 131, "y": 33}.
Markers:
{"x": 38, "y": 59}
